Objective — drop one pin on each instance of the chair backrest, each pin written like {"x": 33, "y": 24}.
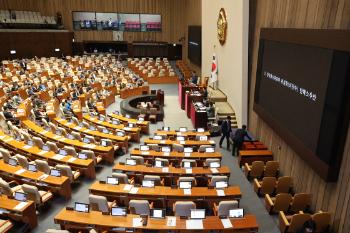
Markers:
{"x": 215, "y": 179}
{"x": 178, "y": 147}
{"x": 76, "y": 135}
{"x": 53, "y": 147}
{"x": 183, "y": 208}
{"x": 5, "y": 155}
{"x": 154, "y": 147}
{"x": 70, "y": 150}
{"x": 282, "y": 202}
{"x": 322, "y": 221}
{"x": 202, "y": 147}
{"x": 257, "y": 169}
{"x": 22, "y": 161}
{"x": 86, "y": 125}
{"x": 300, "y": 202}
{"x": 156, "y": 179}
{"x": 188, "y": 178}
{"x": 5, "y": 188}
{"x": 271, "y": 168}
{"x": 91, "y": 139}
{"x": 224, "y": 207}
{"x": 53, "y": 127}
{"x": 38, "y": 142}
{"x": 63, "y": 131}
{"x": 42, "y": 166}
{"x": 211, "y": 160}
{"x": 101, "y": 128}
{"x": 141, "y": 207}
{"x": 75, "y": 120}
{"x": 268, "y": 185}
{"x": 32, "y": 193}
{"x": 164, "y": 161}
{"x": 108, "y": 142}
{"x": 65, "y": 171}
{"x": 98, "y": 203}
{"x": 122, "y": 177}
{"x": 139, "y": 159}
{"x": 284, "y": 184}
{"x": 297, "y": 222}
{"x": 89, "y": 154}
{"x": 192, "y": 161}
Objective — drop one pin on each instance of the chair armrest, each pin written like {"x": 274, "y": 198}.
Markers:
{"x": 247, "y": 170}
{"x": 215, "y": 209}
{"x": 284, "y": 224}
{"x": 132, "y": 180}
{"x": 257, "y": 185}
{"x": 269, "y": 203}
{"x": 151, "y": 205}
{"x": 162, "y": 181}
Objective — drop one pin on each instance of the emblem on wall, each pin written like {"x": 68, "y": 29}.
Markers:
{"x": 222, "y": 26}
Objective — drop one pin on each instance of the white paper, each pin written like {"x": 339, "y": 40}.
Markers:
{"x": 134, "y": 190}
{"x": 91, "y": 146}
{"x": 194, "y": 224}
{"x": 56, "y": 137}
{"x": 212, "y": 142}
{"x": 127, "y": 187}
{"x": 77, "y": 128}
{"x": 26, "y": 147}
{"x": 72, "y": 159}
{"x": 58, "y": 157}
{"x": 166, "y": 153}
{"x": 8, "y": 140}
{"x": 87, "y": 131}
{"x": 2, "y": 136}
{"x": 178, "y": 134}
{"x": 43, "y": 176}
{"x": 214, "y": 170}
{"x": 20, "y": 205}
{"x": 62, "y": 139}
{"x": 145, "y": 152}
{"x": 187, "y": 192}
{"x": 137, "y": 222}
{"x": 127, "y": 128}
{"x": 187, "y": 154}
{"x": 182, "y": 142}
{"x": 44, "y": 132}
{"x": 20, "y": 171}
{"x": 189, "y": 171}
{"x": 42, "y": 152}
{"x": 162, "y": 141}
{"x": 171, "y": 221}
{"x": 165, "y": 169}
{"x": 226, "y": 223}
{"x": 220, "y": 192}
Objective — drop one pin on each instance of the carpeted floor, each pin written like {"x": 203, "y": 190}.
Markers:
{"x": 174, "y": 117}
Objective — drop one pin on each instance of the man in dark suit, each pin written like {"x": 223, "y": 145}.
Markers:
{"x": 238, "y": 139}
{"x": 226, "y": 130}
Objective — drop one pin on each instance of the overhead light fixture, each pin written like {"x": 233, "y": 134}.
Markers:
{"x": 57, "y": 49}
{"x": 12, "y": 51}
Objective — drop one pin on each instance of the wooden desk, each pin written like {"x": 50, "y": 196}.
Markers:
{"x": 107, "y": 152}
{"x": 189, "y": 98}
{"x": 26, "y": 214}
{"x": 199, "y": 118}
{"x": 75, "y": 220}
{"x": 189, "y": 143}
{"x": 128, "y": 92}
{"x": 60, "y": 185}
{"x": 162, "y": 80}
{"x": 133, "y": 132}
{"x": 86, "y": 166}
{"x": 5, "y": 225}
{"x": 76, "y": 108}
{"x": 108, "y": 100}
{"x": 173, "y": 133}
{"x": 144, "y": 125}
{"x": 254, "y": 146}
{"x": 167, "y": 195}
{"x": 249, "y": 156}
{"x": 120, "y": 141}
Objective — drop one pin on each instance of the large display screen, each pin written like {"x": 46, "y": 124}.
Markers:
{"x": 195, "y": 44}
{"x": 300, "y": 91}
{"x": 117, "y": 21}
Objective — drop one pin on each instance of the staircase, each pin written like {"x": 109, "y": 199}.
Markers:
{"x": 223, "y": 108}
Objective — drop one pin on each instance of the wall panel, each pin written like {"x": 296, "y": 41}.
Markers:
{"x": 319, "y": 14}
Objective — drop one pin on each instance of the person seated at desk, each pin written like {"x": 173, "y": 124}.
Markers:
{"x": 238, "y": 139}
{"x": 39, "y": 115}
{"x": 42, "y": 87}
{"x": 210, "y": 110}
{"x": 16, "y": 98}
{"x": 194, "y": 78}
{"x": 15, "y": 86}
{"x": 9, "y": 116}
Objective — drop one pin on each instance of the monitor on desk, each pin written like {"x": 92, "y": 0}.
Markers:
{"x": 19, "y": 196}
{"x": 81, "y": 207}
{"x": 82, "y": 156}
{"x": 115, "y": 122}
{"x": 210, "y": 150}
{"x": 58, "y": 132}
{"x": 62, "y": 152}
{"x": 32, "y": 167}
{"x": 221, "y": 184}
{"x": 203, "y": 138}
{"x": 214, "y": 165}
{"x": 103, "y": 143}
{"x": 131, "y": 162}
{"x": 141, "y": 119}
{"x": 120, "y": 133}
{"x": 187, "y": 164}
{"x": 165, "y": 128}
{"x": 70, "y": 136}
{"x": 158, "y": 163}
{"x": 46, "y": 147}
{"x": 183, "y": 129}
{"x": 92, "y": 127}
{"x": 13, "y": 162}
{"x": 127, "y": 116}
{"x": 102, "y": 118}
{"x": 185, "y": 184}
{"x": 86, "y": 140}
{"x": 105, "y": 131}
{"x": 188, "y": 149}
{"x": 197, "y": 213}
{"x": 118, "y": 211}
{"x": 112, "y": 180}
{"x": 157, "y": 137}
{"x": 236, "y": 213}
{"x": 200, "y": 130}
{"x": 55, "y": 172}
{"x": 30, "y": 143}
{"x": 131, "y": 125}
{"x": 144, "y": 147}
{"x": 180, "y": 138}
{"x": 157, "y": 213}
{"x": 148, "y": 183}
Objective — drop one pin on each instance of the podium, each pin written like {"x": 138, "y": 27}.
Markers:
{"x": 199, "y": 117}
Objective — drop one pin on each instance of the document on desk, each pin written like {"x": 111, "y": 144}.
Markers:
{"x": 194, "y": 224}
{"x": 2, "y": 137}
{"x": 162, "y": 141}
{"x": 56, "y": 137}
{"x": 212, "y": 141}
{"x": 20, "y": 171}
{"x": 171, "y": 221}
{"x": 126, "y": 128}
{"x": 20, "y": 205}
{"x": 62, "y": 139}
{"x": 26, "y": 147}
{"x": 182, "y": 142}
{"x": 58, "y": 157}
{"x": 77, "y": 128}
{"x": 134, "y": 190}
{"x": 137, "y": 222}
{"x": 188, "y": 171}
{"x": 90, "y": 146}
{"x": 44, "y": 132}
{"x": 128, "y": 187}
{"x": 187, "y": 192}
{"x": 43, "y": 176}
{"x": 220, "y": 192}
{"x": 165, "y": 169}
{"x": 214, "y": 170}
{"x": 87, "y": 131}
{"x": 226, "y": 223}
{"x": 8, "y": 140}
{"x": 42, "y": 152}
{"x": 145, "y": 152}
{"x": 72, "y": 159}
{"x": 166, "y": 153}
{"x": 187, "y": 154}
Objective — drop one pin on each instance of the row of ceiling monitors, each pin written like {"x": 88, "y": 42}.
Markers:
{"x": 117, "y": 21}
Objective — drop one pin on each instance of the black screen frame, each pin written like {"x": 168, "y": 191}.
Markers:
{"x": 338, "y": 41}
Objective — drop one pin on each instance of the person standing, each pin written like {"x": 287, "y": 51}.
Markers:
{"x": 238, "y": 139}
{"x": 226, "y": 130}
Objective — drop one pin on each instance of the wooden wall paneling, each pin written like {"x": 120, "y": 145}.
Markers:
{"x": 320, "y": 14}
